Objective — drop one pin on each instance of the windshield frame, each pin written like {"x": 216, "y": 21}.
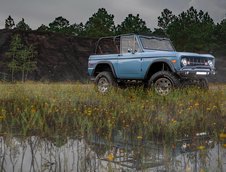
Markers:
{"x": 156, "y": 38}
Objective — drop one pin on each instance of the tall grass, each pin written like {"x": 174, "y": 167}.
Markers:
{"x": 76, "y": 109}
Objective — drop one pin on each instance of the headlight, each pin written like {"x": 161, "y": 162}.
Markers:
{"x": 210, "y": 62}
{"x": 184, "y": 62}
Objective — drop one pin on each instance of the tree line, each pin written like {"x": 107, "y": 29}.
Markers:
{"x": 21, "y": 58}
{"x": 191, "y": 30}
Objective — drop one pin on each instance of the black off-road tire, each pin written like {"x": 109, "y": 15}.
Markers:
{"x": 163, "y": 82}
{"x": 104, "y": 81}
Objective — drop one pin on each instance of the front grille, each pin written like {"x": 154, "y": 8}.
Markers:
{"x": 196, "y": 61}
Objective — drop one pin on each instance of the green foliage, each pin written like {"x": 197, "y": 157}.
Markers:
{"x": 79, "y": 109}
{"x": 133, "y": 24}
{"x": 26, "y": 63}
{"x": 21, "y": 25}
{"x": 100, "y": 24}
{"x": 43, "y": 28}
{"x": 15, "y": 46}
{"x": 77, "y": 29}
{"x": 159, "y": 32}
{"x": 166, "y": 18}
{"x": 221, "y": 32}
{"x": 21, "y": 58}
{"x": 60, "y": 25}
{"x": 9, "y": 23}
{"x": 192, "y": 31}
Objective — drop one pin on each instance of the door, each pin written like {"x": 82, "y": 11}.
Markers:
{"x": 129, "y": 60}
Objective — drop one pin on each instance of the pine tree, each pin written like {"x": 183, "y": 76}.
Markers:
{"x": 133, "y": 24}
{"x": 21, "y": 58}
{"x": 9, "y": 23}
{"x": 43, "y": 28}
{"x": 15, "y": 46}
{"x": 22, "y": 25}
{"x": 100, "y": 24}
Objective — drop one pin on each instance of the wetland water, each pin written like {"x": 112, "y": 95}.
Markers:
{"x": 51, "y": 128}
{"x": 61, "y": 153}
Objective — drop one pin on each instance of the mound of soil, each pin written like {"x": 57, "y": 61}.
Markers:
{"x": 59, "y": 58}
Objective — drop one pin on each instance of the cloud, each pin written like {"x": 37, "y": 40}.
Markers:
{"x": 216, "y": 8}
{"x": 149, "y": 10}
{"x": 37, "y": 12}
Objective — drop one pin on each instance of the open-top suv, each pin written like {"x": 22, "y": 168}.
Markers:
{"x": 149, "y": 60}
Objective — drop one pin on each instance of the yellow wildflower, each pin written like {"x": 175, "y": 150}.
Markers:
{"x": 201, "y": 147}
{"x": 196, "y": 104}
{"x": 33, "y": 110}
{"x": 110, "y": 157}
{"x": 2, "y": 117}
{"x": 208, "y": 109}
{"x": 222, "y": 136}
{"x": 139, "y": 137}
{"x": 214, "y": 107}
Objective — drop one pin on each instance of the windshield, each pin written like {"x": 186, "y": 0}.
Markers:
{"x": 152, "y": 43}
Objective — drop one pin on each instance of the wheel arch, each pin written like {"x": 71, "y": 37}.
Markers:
{"x": 159, "y": 65}
{"x": 104, "y": 66}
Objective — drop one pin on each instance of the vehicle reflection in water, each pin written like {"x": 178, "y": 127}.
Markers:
{"x": 61, "y": 153}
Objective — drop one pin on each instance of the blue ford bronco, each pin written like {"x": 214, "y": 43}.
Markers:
{"x": 149, "y": 60}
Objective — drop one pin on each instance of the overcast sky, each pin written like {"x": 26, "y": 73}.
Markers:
{"x": 37, "y": 12}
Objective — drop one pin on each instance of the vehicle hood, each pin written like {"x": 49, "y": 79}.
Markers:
{"x": 160, "y": 53}
{"x": 176, "y": 54}
{"x": 194, "y": 54}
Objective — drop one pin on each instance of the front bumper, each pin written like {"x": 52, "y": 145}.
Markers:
{"x": 196, "y": 71}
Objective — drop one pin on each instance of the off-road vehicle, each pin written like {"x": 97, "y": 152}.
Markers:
{"x": 149, "y": 60}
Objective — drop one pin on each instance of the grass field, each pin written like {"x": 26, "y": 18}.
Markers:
{"x": 76, "y": 109}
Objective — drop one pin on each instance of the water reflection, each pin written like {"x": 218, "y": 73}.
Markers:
{"x": 91, "y": 154}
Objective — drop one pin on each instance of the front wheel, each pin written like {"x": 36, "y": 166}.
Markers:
{"x": 163, "y": 82}
{"x": 104, "y": 82}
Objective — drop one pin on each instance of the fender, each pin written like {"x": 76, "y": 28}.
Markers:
{"x": 108, "y": 63}
{"x": 168, "y": 62}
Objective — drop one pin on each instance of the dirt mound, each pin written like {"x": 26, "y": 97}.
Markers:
{"x": 59, "y": 58}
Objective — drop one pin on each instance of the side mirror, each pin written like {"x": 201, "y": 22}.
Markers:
{"x": 130, "y": 50}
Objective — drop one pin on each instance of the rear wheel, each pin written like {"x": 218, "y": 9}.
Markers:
{"x": 104, "y": 82}
{"x": 163, "y": 82}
